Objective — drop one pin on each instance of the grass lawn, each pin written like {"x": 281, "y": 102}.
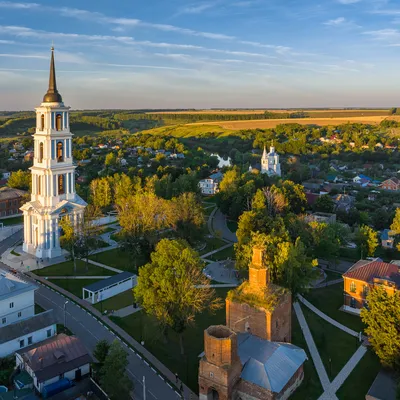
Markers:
{"x": 121, "y": 300}
{"x": 329, "y": 299}
{"x": 229, "y": 252}
{"x": 356, "y": 386}
{"x": 108, "y": 229}
{"x": 141, "y": 326}
{"x": 67, "y": 269}
{"x": 332, "y": 343}
{"x": 118, "y": 258}
{"x": 73, "y": 286}
{"x": 311, "y": 388}
{"x": 207, "y": 211}
{"x": 12, "y": 221}
{"x": 332, "y": 275}
{"x": 232, "y": 225}
{"x": 212, "y": 243}
{"x": 38, "y": 309}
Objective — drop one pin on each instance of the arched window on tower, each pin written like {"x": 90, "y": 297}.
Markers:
{"x": 39, "y": 185}
{"x": 42, "y": 122}
{"x": 40, "y": 152}
{"x": 61, "y": 184}
{"x": 60, "y": 152}
{"x": 58, "y": 122}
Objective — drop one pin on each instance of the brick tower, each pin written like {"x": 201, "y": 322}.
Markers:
{"x": 258, "y": 306}
{"x": 220, "y": 366}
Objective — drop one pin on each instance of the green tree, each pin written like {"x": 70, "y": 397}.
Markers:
{"x": 113, "y": 376}
{"x": 382, "y": 317}
{"x": 111, "y": 160}
{"x": 395, "y": 227}
{"x": 168, "y": 287}
{"x": 324, "y": 204}
{"x": 20, "y": 180}
{"x": 295, "y": 197}
{"x": 366, "y": 240}
{"x": 100, "y": 192}
{"x": 69, "y": 239}
{"x": 100, "y": 353}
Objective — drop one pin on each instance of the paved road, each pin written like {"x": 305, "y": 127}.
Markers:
{"x": 219, "y": 224}
{"x": 90, "y": 331}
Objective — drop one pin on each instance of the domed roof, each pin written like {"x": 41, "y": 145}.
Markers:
{"x": 52, "y": 95}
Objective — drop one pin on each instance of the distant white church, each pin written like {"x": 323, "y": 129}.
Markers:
{"x": 53, "y": 176}
{"x": 270, "y": 162}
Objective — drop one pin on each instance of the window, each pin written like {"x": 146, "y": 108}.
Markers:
{"x": 365, "y": 290}
{"x": 48, "y": 332}
{"x": 19, "y": 314}
{"x": 276, "y": 324}
{"x": 352, "y": 287}
{"x": 211, "y": 374}
{"x": 61, "y": 184}
{"x": 29, "y": 340}
{"x": 11, "y": 305}
{"x": 42, "y": 122}
{"x": 39, "y": 186}
{"x": 58, "y": 122}
{"x": 41, "y": 152}
{"x": 60, "y": 152}
{"x": 21, "y": 343}
{"x": 353, "y": 302}
{"x": 3, "y": 320}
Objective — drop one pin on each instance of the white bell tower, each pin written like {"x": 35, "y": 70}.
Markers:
{"x": 270, "y": 162}
{"x": 53, "y": 176}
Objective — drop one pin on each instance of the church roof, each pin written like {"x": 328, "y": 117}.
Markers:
{"x": 52, "y": 95}
{"x": 7, "y": 193}
{"x": 268, "y": 364}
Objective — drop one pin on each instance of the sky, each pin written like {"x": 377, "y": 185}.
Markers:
{"x": 202, "y": 54}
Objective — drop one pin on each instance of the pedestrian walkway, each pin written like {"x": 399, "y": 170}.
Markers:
{"x": 77, "y": 277}
{"x": 319, "y": 366}
{"x": 326, "y": 318}
{"x": 217, "y": 250}
{"x": 103, "y": 266}
{"x": 124, "y": 312}
{"x": 328, "y": 283}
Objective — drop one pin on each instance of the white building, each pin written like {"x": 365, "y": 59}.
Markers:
{"x": 53, "y": 176}
{"x": 210, "y": 185}
{"x": 57, "y": 358}
{"x": 19, "y": 326}
{"x": 270, "y": 162}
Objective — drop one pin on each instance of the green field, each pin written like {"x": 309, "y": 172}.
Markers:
{"x": 120, "y": 259}
{"x": 121, "y": 300}
{"x": 67, "y": 269}
{"x": 143, "y": 327}
{"x": 224, "y": 254}
{"x": 335, "y": 346}
{"x": 311, "y": 388}
{"x": 12, "y": 221}
{"x": 212, "y": 244}
{"x": 329, "y": 300}
{"x": 73, "y": 286}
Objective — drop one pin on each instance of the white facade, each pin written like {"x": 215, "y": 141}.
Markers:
{"x": 208, "y": 186}
{"x": 53, "y": 177}
{"x": 16, "y": 308}
{"x": 71, "y": 375}
{"x": 22, "y": 341}
{"x": 270, "y": 162}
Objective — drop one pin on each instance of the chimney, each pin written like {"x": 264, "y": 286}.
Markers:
{"x": 259, "y": 276}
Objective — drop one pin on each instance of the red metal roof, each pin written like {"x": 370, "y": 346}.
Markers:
{"x": 366, "y": 271}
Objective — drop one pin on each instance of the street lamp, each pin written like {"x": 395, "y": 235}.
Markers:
{"x": 65, "y": 315}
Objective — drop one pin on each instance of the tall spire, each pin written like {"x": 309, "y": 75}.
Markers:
{"x": 52, "y": 95}
{"x": 264, "y": 156}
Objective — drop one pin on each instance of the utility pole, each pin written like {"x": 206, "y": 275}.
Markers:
{"x": 144, "y": 388}
{"x": 65, "y": 315}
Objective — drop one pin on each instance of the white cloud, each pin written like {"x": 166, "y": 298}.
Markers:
{"x": 195, "y": 9}
{"x": 348, "y": 1}
{"x": 23, "y": 56}
{"x": 384, "y": 34}
{"x": 336, "y": 21}
{"x": 11, "y": 4}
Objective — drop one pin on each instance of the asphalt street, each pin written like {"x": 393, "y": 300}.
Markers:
{"x": 90, "y": 331}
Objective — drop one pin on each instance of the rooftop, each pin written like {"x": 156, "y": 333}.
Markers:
{"x": 26, "y": 326}
{"x": 383, "y": 387}
{"x": 55, "y": 356}
{"x": 11, "y": 285}
{"x": 366, "y": 271}
{"x": 7, "y": 193}
{"x": 105, "y": 283}
{"x": 268, "y": 364}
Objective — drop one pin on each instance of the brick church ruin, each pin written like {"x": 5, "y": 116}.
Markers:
{"x": 251, "y": 357}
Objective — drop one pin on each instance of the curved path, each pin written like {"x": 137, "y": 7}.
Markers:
{"x": 217, "y": 222}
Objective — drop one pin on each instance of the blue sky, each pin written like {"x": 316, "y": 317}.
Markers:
{"x": 202, "y": 54}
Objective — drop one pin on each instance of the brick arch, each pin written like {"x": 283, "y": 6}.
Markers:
{"x": 213, "y": 394}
